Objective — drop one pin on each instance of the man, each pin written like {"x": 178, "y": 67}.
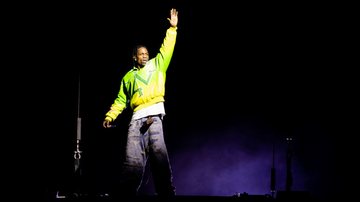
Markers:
{"x": 143, "y": 90}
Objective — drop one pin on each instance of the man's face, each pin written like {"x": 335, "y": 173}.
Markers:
{"x": 142, "y": 56}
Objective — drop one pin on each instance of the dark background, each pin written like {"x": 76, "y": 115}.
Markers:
{"x": 243, "y": 78}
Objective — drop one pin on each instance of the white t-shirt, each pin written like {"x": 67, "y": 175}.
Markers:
{"x": 155, "y": 109}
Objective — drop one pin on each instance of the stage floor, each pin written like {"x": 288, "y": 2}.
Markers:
{"x": 243, "y": 197}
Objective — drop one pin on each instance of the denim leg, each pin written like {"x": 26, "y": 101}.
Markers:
{"x": 159, "y": 159}
{"x": 135, "y": 159}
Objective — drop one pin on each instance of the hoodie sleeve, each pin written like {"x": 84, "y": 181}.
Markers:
{"x": 163, "y": 58}
{"x": 120, "y": 103}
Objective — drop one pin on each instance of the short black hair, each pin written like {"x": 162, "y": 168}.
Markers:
{"x": 136, "y": 48}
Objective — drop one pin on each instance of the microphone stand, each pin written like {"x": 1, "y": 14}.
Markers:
{"x": 74, "y": 186}
{"x": 77, "y": 152}
{"x": 289, "y": 154}
{"x": 273, "y": 176}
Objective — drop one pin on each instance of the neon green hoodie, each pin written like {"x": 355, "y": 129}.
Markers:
{"x": 143, "y": 87}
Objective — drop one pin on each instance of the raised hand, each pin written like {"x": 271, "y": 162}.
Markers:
{"x": 173, "y": 17}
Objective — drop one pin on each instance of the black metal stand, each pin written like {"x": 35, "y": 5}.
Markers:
{"x": 77, "y": 153}
{"x": 74, "y": 189}
{"x": 289, "y": 154}
{"x": 273, "y": 176}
